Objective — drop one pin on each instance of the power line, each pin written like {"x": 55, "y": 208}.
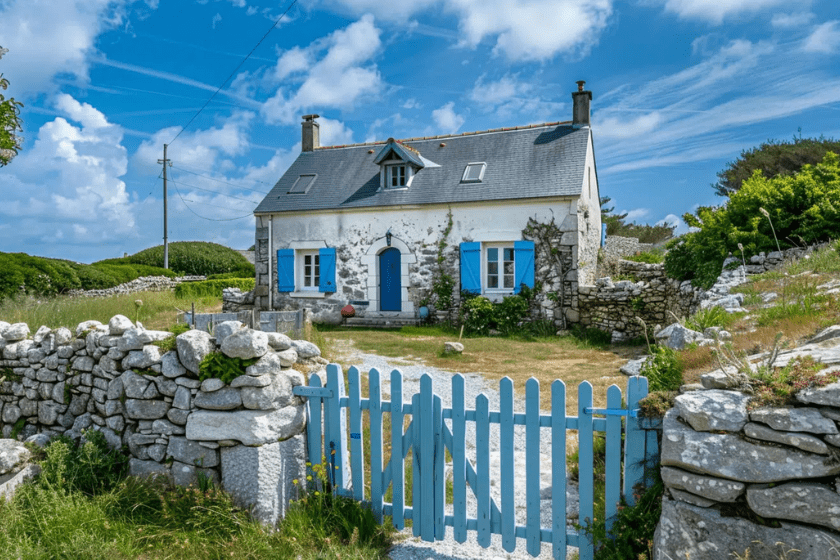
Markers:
{"x": 178, "y": 192}
{"x": 235, "y": 70}
{"x": 219, "y": 180}
{"x": 212, "y": 191}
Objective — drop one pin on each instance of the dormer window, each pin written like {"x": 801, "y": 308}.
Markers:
{"x": 396, "y": 176}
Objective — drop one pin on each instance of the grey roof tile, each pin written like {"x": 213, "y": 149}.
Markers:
{"x": 532, "y": 162}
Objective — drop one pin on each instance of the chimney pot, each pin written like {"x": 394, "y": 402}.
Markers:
{"x": 310, "y": 133}
{"x": 580, "y": 106}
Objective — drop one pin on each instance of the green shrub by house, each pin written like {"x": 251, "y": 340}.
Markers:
{"x": 803, "y": 209}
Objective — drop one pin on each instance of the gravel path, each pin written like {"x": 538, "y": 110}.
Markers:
{"x": 413, "y": 548}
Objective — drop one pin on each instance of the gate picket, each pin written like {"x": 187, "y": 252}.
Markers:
{"x": 558, "y": 469}
{"x": 428, "y": 437}
{"x": 585, "y": 469}
{"x": 375, "y": 408}
{"x": 397, "y": 455}
{"x": 506, "y": 452}
{"x": 356, "y": 435}
{"x": 532, "y": 464}
{"x": 459, "y": 467}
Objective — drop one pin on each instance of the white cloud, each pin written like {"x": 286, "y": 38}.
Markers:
{"x": 509, "y": 97}
{"x": 446, "y": 119}
{"x": 791, "y": 21}
{"x": 412, "y": 104}
{"x": 239, "y": 3}
{"x": 825, "y": 38}
{"x": 46, "y": 38}
{"x": 517, "y": 27}
{"x": 202, "y": 149}
{"x": 674, "y": 220}
{"x": 342, "y": 75}
{"x": 66, "y": 185}
{"x": 715, "y": 11}
{"x": 697, "y": 113}
{"x": 613, "y": 127}
{"x": 216, "y": 19}
{"x": 334, "y": 133}
{"x": 635, "y": 214}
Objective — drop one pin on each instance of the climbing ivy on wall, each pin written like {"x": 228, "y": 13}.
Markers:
{"x": 443, "y": 282}
{"x": 546, "y": 237}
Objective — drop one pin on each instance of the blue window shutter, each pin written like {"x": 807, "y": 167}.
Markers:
{"x": 471, "y": 267}
{"x": 326, "y": 261}
{"x": 523, "y": 264}
{"x": 285, "y": 270}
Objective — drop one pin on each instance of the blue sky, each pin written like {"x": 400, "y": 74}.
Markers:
{"x": 680, "y": 87}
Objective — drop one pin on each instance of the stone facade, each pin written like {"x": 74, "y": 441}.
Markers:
{"x": 112, "y": 378}
{"x": 359, "y": 237}
{"x": 615, "y": 247}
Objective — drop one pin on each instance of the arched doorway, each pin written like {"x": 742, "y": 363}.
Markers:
{"x": 390, "y": 284}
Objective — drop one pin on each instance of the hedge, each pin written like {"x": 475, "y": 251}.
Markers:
{"x": 212, "y": 288}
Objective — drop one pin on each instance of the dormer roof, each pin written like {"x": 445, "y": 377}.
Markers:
{"x": 395, "y": 149}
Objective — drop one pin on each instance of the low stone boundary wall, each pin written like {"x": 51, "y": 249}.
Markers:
{"x": 142, "y": 284}
{"x": 779, "y": 465}
{"x": 247, "y": 434}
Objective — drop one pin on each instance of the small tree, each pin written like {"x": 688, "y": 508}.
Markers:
{"x": 645, "y": 233}
{"x": 9, "y": 122}
{"x": 774, "y": 158}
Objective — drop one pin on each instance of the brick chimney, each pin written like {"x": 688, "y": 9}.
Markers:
{"x": 580, "y": 106}
{"x": 310, "y": 135}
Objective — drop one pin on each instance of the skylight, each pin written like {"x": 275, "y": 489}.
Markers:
{"x": 302, "y": 184}
{"x": 474, "y": 172}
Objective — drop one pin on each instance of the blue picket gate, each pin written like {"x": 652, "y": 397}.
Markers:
{"x": 434, "y": 429}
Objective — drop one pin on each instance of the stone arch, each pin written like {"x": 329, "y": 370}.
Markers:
{"x": 370, "y": 260}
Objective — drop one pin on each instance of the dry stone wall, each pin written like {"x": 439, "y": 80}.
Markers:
{"x": 247, "y": 434}
{"x": 142, "y": 284}
{"x": 722, "y": 458}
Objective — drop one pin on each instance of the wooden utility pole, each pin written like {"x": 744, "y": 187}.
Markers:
{"x": 165, "y": 162}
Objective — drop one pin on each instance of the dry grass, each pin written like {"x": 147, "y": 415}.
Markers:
{"x": 494, "y": 358}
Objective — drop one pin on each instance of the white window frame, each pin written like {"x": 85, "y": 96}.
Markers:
{"x": 300, "y": 270}
{"x": 485, "y": 268}
{"x": 388, "y": 168}
{"x": 483, "y": 165}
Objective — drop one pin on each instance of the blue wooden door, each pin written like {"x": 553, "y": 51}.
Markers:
{"x": 390, "y": 286}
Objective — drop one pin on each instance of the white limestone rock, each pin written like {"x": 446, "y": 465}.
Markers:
{"x": 13, "y": 455}
{"x": 795, "y": 420}
{"x": 16, "y": 332}
{"x": 261, "y": 478}
{"x": 279, "y": 341}
{"x": 305, "y": 349}
{"x": 271, "y": 362}
{"x": 453, "y": 347}
{"x": 193, "y": 346}
{"x": 136, "y": 338}
{"x": 223, "y": 399}
{"x": 86, "y": 325}
{"x": 211, "y": 384}
{"x": 186, "y": 451}
{"x": 170, "y": 366}
{"x": 708, "y": 411}
{"x": 829, "y": 395}
{"x": 729, "y": 456}
{"x": 224, "y": 329}
{"x": 717, "y": 489}
{"x": 687, "y": 531}
{"x": 249, "y": 427}
{"x": 799, "y": 440}
{"x": 142, "y": 359}
{"x": 805, "y": 502}
{"x": 271, "y": 397}
{"x": 245, "y": 344}
{"x": 119, "y": 324}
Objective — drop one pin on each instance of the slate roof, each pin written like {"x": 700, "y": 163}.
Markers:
{"x": 529, "y": 162}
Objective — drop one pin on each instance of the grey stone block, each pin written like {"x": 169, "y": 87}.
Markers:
{"x": 261, "y": 478}
{"x": 190, "y": 452}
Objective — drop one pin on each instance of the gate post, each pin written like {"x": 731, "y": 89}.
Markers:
{"x": 635, "y": 440}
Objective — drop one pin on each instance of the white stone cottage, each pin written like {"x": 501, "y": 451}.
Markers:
{"x": 375, "y": 224}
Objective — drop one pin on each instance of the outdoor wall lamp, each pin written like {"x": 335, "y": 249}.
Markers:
{"x": 388, "y": 237}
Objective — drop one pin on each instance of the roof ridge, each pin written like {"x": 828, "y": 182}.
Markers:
{"x": 442, "y": 136}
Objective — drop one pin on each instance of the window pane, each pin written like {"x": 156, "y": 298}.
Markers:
{"x": 492, "y": 254}
{"x": 508, "y": 281}
{"x": 508, "y": 268}
{"x": 508, "y": 254}
{"x": 493, "y": 281}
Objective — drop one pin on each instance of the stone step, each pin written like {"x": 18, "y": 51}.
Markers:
{"x": 381, "y": 322}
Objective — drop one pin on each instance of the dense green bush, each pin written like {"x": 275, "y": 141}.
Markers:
{"x": 90, "y": 466}
{"x": 39, "y": 276}
{"x": 663, "y": 369}
{"x": 804, "y": 209}
{"x": 480, "y": 315}
{"x": 212, "y": 288}
{"x": 195, "y": 258}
